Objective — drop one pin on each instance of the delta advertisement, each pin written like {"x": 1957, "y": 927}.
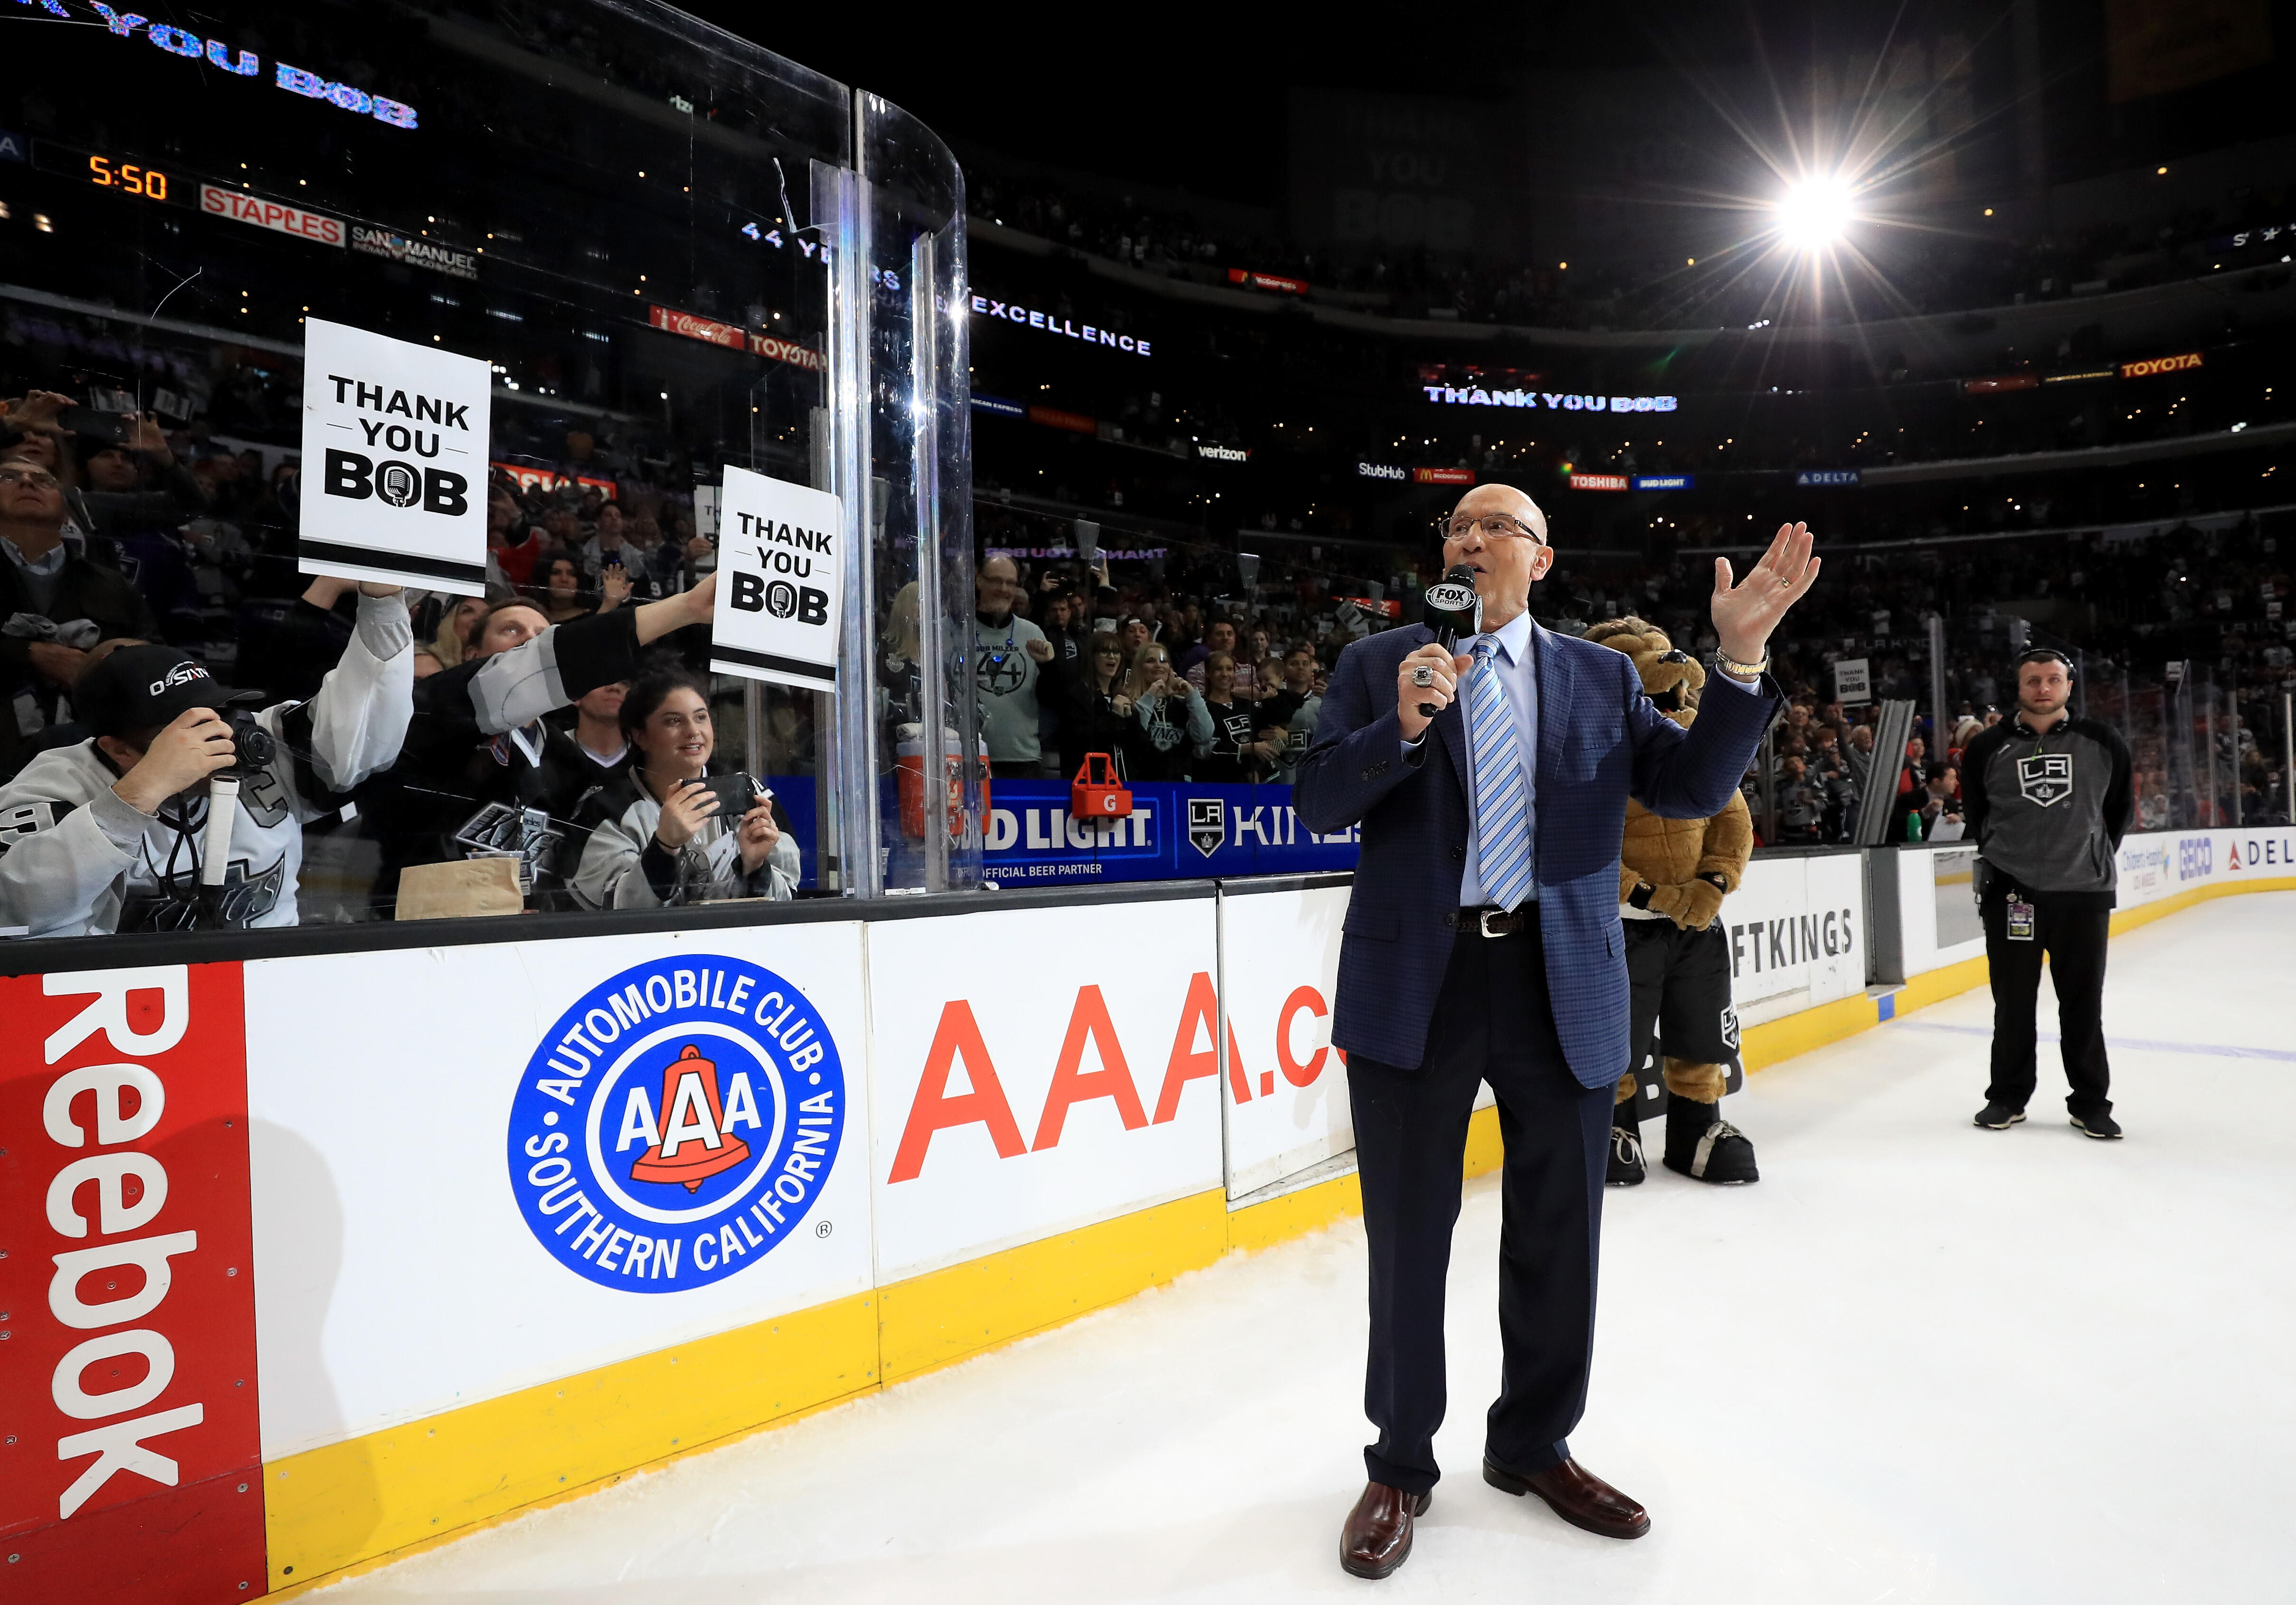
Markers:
{"x": 1177, "y": 831}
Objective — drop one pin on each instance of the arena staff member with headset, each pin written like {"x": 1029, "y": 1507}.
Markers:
{"x": 1482, "y": 944}
{"x": 2047, "y": 798}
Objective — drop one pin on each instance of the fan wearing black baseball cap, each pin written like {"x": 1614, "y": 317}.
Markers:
{"x": 106, "y": 835}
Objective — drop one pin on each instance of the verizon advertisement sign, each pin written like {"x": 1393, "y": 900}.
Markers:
{"x": 128, "y": 1390}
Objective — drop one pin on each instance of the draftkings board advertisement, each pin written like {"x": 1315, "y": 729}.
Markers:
{"x": 777, "y": 562}
{"x": 394, "y": 461}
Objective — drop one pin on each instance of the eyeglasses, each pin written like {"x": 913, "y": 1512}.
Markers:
{"x": 39, "y": 478}
{"x": 1491, "y": 526}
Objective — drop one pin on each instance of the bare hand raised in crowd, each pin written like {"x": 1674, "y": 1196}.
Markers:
{"x": 38, "y": 410}
{"x": 193, "y": 747}
{"x": 614, "y": 585}
{"x": 1443, "y": 670}
{"x": 757, "y": 835}
{"x": 1745, "y": 614}
{"x": 1040, "y": 650}
{"x": 683, "y": 812}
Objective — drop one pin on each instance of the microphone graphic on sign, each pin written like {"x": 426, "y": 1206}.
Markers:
{"x": 1455, "y": 611}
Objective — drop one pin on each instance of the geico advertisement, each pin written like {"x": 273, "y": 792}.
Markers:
{"x": 1176, "y": 830}
{"x": 1287, "y": 1086}
{"x": 480, "y": 1169}
{"x": 128, "y": 1382}
{"x": 1038, "y": 1069}
{"x": 2156, "y": 865}
{"x": 1793, "y": 931}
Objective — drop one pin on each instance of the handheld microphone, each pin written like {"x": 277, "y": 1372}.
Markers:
{"x": 1454, "y": 610}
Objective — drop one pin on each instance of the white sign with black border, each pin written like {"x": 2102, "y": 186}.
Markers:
{"x": 394, "y": 484}
{"x": 777, "y": 573}
{"x": 1852, "y": 685}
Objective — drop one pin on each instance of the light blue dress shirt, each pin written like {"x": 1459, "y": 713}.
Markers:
{"x": 1518, "y": 673}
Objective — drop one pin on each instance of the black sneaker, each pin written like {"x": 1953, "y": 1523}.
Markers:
{"x": 2103, "y": 1127}
{"x": 2000, "y": 1117}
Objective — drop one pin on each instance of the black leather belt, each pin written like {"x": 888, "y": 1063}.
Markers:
{"x": 1493, "y": 921}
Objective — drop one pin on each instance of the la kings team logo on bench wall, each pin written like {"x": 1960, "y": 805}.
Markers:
{"x": 677, "y": 1124}
{"x": 2046, "y": 778}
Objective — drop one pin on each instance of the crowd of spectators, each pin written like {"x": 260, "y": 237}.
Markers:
{"x": 560, "y": 725}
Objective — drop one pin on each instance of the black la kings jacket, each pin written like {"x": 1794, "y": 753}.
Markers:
{"x": 2047, "y": 811}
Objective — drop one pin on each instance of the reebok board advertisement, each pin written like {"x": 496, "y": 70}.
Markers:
{"x": 623, "y": 1143}
{"x": 777, "y": 590}
{"x": 395, "y": 438}
{"x": 129, "y": 1388}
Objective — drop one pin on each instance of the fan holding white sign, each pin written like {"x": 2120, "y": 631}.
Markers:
{"x": 778, "y": 592}
{"x": 394, "y": 484}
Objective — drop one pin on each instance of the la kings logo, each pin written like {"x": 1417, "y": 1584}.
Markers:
{"x": 2046, "y": 779}
{"x": 1207, "y": 825}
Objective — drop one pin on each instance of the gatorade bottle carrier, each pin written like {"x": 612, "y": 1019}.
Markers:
{"x": 1098, "y": 792}
{"x": 909, "y": 779}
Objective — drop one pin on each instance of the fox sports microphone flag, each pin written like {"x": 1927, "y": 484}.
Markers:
{"x": 394, "y": 484}
{"x": 777, "y": 582}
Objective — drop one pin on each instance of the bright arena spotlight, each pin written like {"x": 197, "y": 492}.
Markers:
{"x": 1816, "y": 211}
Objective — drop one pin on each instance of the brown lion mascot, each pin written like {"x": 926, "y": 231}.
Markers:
{"x": 1673, "y": 874}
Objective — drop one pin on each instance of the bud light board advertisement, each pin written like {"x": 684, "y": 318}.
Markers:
{"x": 1177, "y": 831}
{"x": 394, "y": 461}
{"x": 777, "y": 615}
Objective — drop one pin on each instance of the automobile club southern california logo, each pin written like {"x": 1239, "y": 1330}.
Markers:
{"x": 677, "y": 1124}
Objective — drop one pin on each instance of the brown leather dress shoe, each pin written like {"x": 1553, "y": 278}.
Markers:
{"x": 1377, "y": 1538}
{"x": 1575, "y": 1494}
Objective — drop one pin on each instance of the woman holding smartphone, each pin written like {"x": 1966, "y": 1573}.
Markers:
{"x": 1172, "y": 716}
{"x": 658, "y": 835}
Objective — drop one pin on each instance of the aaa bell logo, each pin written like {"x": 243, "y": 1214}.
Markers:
{"x": 677, "y": 1124}
{"x": 696, "y": 1146}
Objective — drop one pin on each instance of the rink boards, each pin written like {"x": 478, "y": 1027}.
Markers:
{"x": 310, "y": 1258}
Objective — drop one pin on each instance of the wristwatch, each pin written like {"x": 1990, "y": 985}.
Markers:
{"x": 1736, "y": 670}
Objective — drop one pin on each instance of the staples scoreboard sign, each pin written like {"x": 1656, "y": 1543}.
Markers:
{"x": 276, "y": 215}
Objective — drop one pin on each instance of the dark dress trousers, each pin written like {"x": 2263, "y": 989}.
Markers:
{"x": 1428, "y": 1008}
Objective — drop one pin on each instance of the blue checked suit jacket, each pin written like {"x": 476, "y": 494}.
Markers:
{"x": 1600, "y": 741}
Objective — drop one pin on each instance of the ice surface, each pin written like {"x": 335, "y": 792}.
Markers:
{"x": 1917, "y": 1362}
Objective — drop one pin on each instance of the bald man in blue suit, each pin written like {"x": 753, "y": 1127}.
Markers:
{"x": 1482, "y": 944}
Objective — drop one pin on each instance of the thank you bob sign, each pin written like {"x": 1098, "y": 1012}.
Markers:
{"x": 394, "y": 483}
{"x": 777, "y": 590}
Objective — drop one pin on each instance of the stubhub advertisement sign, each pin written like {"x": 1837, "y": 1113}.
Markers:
{"x": 1176, "y": 830}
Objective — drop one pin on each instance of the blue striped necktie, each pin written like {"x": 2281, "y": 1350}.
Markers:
{"x": 1502, "y": 789}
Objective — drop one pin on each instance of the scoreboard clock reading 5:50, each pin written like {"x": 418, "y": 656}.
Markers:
{"x": 150, "y": 183}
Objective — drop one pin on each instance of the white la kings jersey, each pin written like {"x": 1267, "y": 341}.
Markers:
{"x": 75, "y": 860}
